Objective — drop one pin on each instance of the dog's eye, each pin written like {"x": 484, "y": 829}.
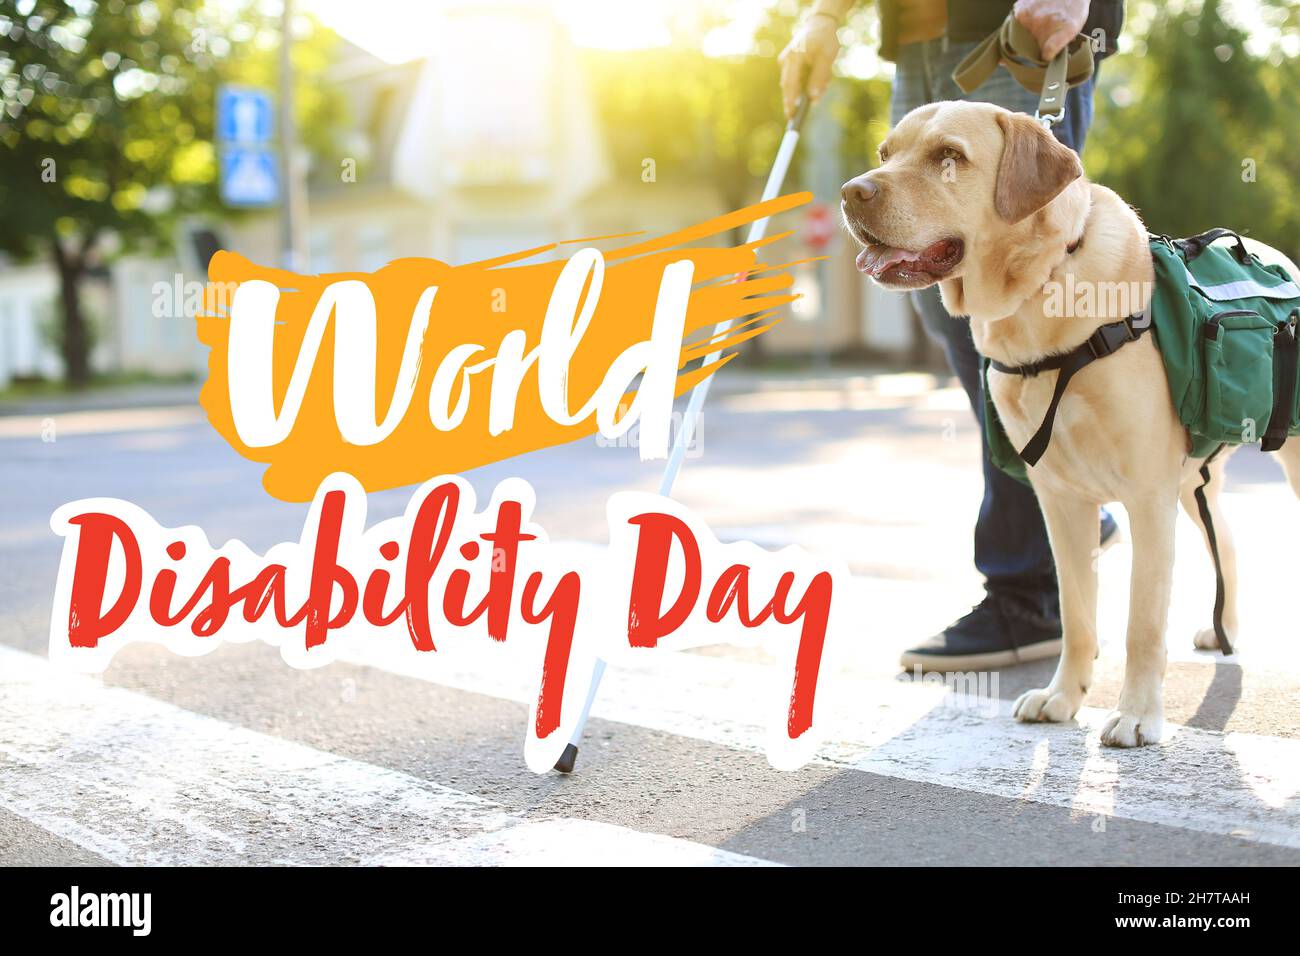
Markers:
{"x": 951, "y": 152}
{"x": 884, "y": 156}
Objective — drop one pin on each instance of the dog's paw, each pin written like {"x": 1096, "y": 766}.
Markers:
{"x": 1046, "y": 704}
{"x": 1131, "y": 730}
{"x": 1207, "y": 640}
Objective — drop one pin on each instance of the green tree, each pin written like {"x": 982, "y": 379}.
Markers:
{"x": 1196, "y": 123}
{"x": 718, "y": 119}
{"x": 106, "y": 127}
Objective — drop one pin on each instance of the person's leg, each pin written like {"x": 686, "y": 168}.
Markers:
{"x": 911, "y": 79}
{"x": 1011, "y": 547}
{"x": 1020, "y": 617}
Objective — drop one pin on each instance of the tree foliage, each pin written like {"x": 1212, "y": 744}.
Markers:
{"x": 718, "y": 118}
{"x": 106, "y": 125}
{"x": 1197, "y": 129}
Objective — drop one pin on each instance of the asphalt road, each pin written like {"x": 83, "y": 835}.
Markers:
{"x": 236, "y": 758}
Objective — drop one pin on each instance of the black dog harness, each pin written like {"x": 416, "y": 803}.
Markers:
{"x": 1218, "y": 391}
{"x": 1107, "y": 340}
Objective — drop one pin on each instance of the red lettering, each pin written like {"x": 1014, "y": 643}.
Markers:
{"x": 268, "y": 586}
{"x": 372, "y": 604}
{"x": 86, "y": 621}
{"x": 815, "y": 609}
{"x": 430, "y": 533}
{"x": 505, "y": 552}
{"x": 732, "y": 587}
{"x": 209, "y": 620}
{"x": 645, "y": 621}
{"x": 562, "y": 609}
{"x": 326, "y": 573}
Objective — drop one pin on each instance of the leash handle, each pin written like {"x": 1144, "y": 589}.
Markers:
{"x": 1051, "y": 103}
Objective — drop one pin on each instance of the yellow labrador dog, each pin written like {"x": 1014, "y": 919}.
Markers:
{"x": 989, "y": 205}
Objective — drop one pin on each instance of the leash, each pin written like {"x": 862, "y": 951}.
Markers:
{"x": 1051, "y": 102}
{"x": 1014, "y": 47}
{"x": 686, "y": 433}
{"x": 1107, "y": 340}
{"x": 1203, "y": 508}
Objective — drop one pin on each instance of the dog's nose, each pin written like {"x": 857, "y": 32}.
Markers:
{"x": 859, "y": 189}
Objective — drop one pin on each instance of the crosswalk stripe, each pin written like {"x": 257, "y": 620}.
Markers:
{"x": 1237, "y": 784}
{"x": 918, "y": 606}
{"x": 143, "y": 782}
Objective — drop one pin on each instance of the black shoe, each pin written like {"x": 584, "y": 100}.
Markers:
{"x": 998, "y": 632}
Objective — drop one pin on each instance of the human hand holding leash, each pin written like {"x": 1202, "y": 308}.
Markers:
{"x": 1054, "y": 23}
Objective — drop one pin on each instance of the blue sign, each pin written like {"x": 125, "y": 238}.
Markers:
{"x": 244, "y": 116}
{"x": 245, "y": 125}
{"x": 249, "y": 177}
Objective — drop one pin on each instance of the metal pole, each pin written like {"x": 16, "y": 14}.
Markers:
{"x": 293, "y": 200}
{"x": 686, "y": 433}
{"x": 825, "y": 175}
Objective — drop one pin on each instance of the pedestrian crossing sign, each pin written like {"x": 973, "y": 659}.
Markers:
{"x": 249, "y": 177}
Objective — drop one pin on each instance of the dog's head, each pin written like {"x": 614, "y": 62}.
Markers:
{"x": 955, "y": 179}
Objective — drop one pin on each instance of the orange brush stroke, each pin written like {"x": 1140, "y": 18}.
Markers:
{"x": 463, "y": 312}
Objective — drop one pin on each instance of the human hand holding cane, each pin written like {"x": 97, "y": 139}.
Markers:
{"x": 807, "y": 59}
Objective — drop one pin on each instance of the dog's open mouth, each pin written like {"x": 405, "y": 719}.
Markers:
{"x": 891, "y": 265}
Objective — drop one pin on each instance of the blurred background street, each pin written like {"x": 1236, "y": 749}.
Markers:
{"x": 462, "y": 131}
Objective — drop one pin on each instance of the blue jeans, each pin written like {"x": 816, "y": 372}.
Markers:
{"x": 1011, "y": 546}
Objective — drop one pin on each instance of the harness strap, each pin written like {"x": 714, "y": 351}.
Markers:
{"x": 1107, "y": 340}
{"x": 1286, "y": 361}
{"x": 1193, "y": 246}
{"x": 1038, "y": 444}
{"x": 1203, "y": 508}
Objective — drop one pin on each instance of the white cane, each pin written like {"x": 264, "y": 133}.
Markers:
{"x": 686, "y": 433}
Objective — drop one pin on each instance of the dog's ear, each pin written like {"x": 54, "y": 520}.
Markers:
{"x": 1034, "y": 168}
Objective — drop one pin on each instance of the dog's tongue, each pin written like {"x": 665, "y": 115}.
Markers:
{"x": 875, "y": 259}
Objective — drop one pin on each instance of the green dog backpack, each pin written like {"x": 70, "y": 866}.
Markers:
{"x": 1225, "y": 325}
